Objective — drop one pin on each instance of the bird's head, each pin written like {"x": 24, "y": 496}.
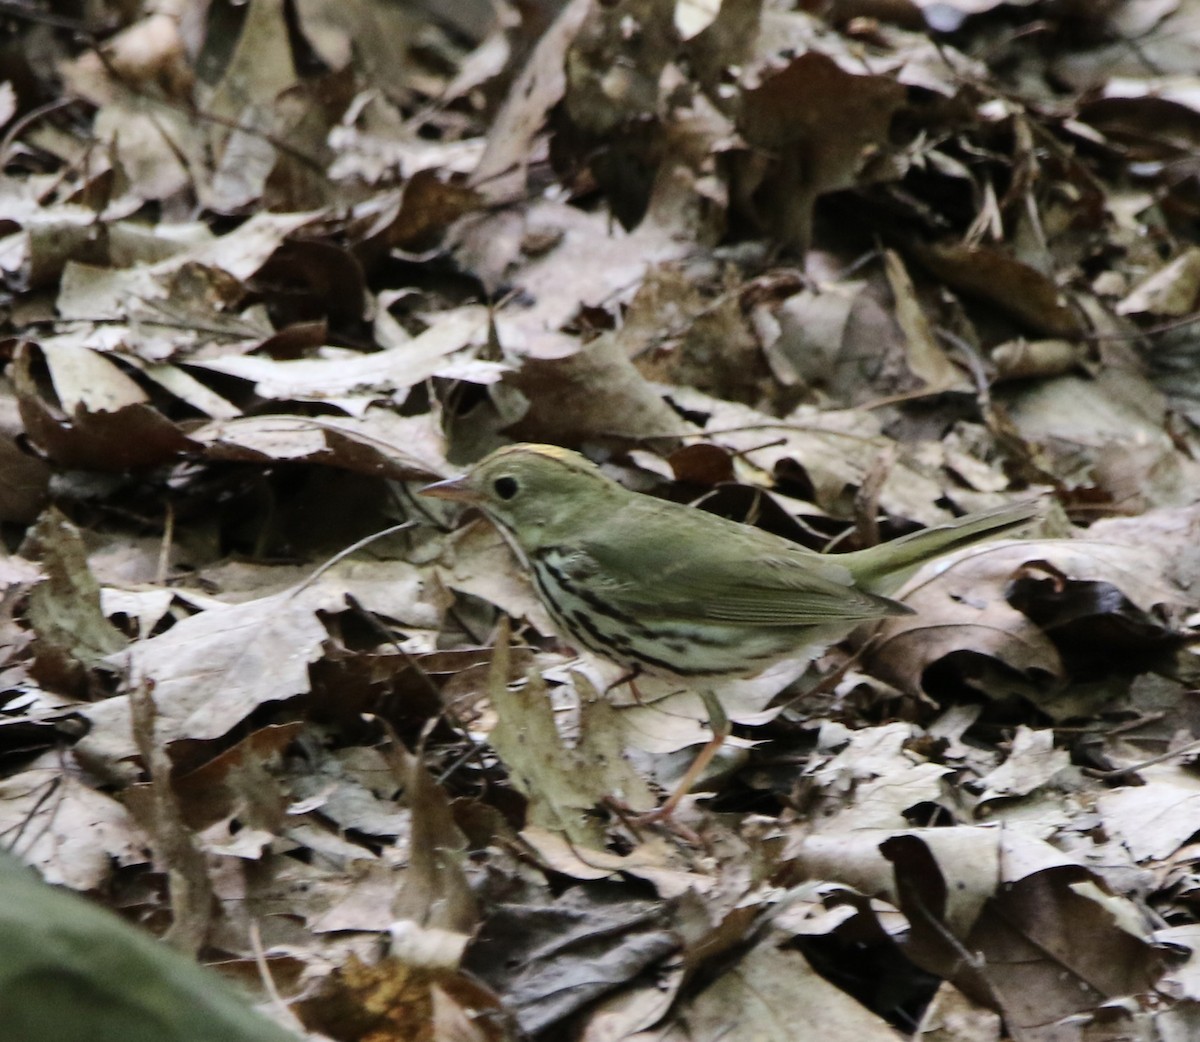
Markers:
{"x": 538, "y": 493}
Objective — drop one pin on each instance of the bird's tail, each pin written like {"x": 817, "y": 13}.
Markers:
{"x": 885, "y": 568}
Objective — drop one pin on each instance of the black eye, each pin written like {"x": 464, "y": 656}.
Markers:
{"x": 505, "y": 487}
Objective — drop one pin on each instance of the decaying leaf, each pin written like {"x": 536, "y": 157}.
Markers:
{"x": 840, "y": 270}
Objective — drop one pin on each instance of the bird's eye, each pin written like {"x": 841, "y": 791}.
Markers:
{"x": 505, "y": 487}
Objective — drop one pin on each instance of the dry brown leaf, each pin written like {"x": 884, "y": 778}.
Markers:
{"x": 1031, "y": 763}
{"x": 1108, "y": 432}
{"x": 989, "y": 273}
{"x": 952, "y": 1017}
{"x": 392, "y": 1001}
{"x": 563, "y": 784}
{"x": 444, "y": 350}
{"x": 549, "y": 958}
{"x": 772, "y": 991}
{"x": 66, "y": 829}
{"x": 95, "y": 416}
{"x": 1022, "y": 359}
{"x": 1157, "y": 817}
{"x": 379, "y": 444}
{"x": 74, "y": 637}
{"x": 872, "y": 782}
{"x": 540, "y": 86}
{"x": 961, "y": 608}
{"x": 820, "y": 146}
{"x": 268, "y": 189}
{"x": 594, "y": 395}
{"x": 926, "y": 358}
{"x": 1171, "y": 291}
{"x": 437, "y": 893}
{"x": 593, "y": 265}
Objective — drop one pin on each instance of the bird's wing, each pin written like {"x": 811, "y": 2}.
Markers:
{"x": 713, "y": 570}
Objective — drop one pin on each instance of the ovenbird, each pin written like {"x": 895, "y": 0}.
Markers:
{"x": 664, "y": 587}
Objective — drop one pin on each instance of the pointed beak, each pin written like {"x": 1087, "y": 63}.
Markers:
{"x": 456, "y": 489}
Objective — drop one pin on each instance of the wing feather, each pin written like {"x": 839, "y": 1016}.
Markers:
{"x": 720, "y": 573}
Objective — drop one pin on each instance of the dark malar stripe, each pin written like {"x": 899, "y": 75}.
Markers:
{"x": 570, "y": 627}
{"x": 587, "y": 596}
{"x": 603, "y": 607}
{"x": 581, "y": 627}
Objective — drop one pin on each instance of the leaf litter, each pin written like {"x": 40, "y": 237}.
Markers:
{"x": 840, "y": 274}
